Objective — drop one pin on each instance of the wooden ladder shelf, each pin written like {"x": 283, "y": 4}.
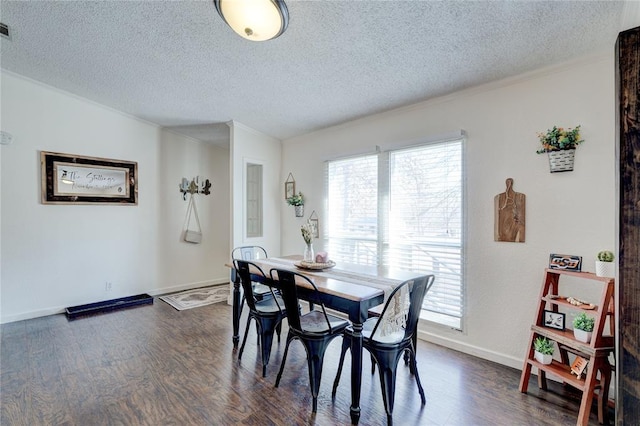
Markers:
{"x": 596, "y": 352}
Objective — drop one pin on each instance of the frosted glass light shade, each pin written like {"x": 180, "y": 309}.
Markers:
{"x": 256, "y": 20}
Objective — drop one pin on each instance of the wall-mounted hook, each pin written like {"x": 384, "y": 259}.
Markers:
{"x": 206, "y": 187}
{"x": 193, "y": 187}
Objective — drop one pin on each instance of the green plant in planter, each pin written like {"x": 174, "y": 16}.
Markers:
{"x": 559, "y": 139}
{"x": 296, "y": 199}
{"x": 584, "y": 322}
{"x": 606, "y": 256}
{"x": 543, "y": 345}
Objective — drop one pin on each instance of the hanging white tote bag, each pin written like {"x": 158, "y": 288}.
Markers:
{"x": 192, "y": 236}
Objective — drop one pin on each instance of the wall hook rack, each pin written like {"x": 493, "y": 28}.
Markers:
{"x": 194, "y": 187}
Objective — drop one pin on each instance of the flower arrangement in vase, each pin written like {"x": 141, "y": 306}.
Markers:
{"x": 307, "y": 235}
{"x": 560, "y": 144}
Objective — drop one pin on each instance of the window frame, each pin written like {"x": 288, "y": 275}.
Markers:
{"x": 384, "y": 193}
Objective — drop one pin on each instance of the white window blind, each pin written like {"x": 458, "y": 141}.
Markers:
{"x": 403, "y": 209}
{"x": 353, "y": 210}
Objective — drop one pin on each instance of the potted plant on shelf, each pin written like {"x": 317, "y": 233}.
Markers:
{"x": 297, "y": 201}
{"x": 560, "y": 145}
{"x": 583, "y": 327}
{"x": 543, "y": 350}
{"x": 604, "y": 264}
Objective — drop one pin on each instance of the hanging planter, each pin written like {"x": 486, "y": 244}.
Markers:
{"x": 561, "y": 161}
{"x": 560, "y": 145}
{"x": 297, "y": 201}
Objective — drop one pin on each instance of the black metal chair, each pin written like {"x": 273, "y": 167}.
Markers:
{"x": 260, "y": 291}
{"x": 387, "y": 337}
{"x": 251, "y": 253}
{"x": 268, "y": 313}
{"x": 315, "y": 329}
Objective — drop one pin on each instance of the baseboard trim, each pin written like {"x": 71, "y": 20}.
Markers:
{"x": 476, "y": 351}
{"x": 54, "y": 310}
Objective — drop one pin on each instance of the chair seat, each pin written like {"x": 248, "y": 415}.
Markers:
{"x": 315, "y": 322}
{"x": 270, "y": 305}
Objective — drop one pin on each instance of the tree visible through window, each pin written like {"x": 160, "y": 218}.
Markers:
{"x": 404, "y": 209}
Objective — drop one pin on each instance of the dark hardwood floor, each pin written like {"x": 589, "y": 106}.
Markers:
{"x": 153, "y": 365}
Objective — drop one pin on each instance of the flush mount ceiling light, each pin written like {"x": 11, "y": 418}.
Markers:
{"x": 255, "y": 20}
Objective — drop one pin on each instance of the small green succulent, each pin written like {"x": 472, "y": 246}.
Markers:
{"x": 606, "y": 256}
{"x": 543, "y": 345}
{"x": 584, "y": 322}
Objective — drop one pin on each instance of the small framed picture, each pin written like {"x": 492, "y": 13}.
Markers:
{"x": 554, "y": 320}
{"x": 289, "y": 187}
{"x": 313, "y": 220}
{"x": 578, "y": 366}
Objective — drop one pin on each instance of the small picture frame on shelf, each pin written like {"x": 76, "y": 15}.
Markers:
{"x": 567, "y": 262}
{"x": 578, "y": 366}
{"x": 554, "y": 320}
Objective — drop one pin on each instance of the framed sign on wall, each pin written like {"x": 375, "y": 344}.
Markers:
{"x": 75, "y": 179}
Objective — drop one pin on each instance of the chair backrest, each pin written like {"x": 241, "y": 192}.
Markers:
{"x": 244, "y": 270}
{"x": 289, "y": 291}
{"x": 248, "y": 253}
{"x": 399, "y": 318}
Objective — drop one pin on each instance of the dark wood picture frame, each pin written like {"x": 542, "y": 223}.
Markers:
{"x": 554, "y": 320}
{"x": 76, "y": 179}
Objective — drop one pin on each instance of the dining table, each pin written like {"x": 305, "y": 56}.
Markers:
{"x": 347, "y": 288}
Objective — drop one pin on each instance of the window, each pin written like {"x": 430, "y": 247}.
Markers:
{"x": 403, "y": 208}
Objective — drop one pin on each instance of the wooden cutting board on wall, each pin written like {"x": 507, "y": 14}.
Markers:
{"x": 509, "y": 213}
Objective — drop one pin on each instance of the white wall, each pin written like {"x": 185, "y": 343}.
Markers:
{"x": 55, "y": 256}
{"x": 250, "y": 146}
{"x": 184, "y": 265}
{"x": 571, "y": 213}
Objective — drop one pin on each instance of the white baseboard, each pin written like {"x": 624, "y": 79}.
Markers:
{"x": 500, "y": 358}
{"x": 61, "y": 309}
{"x": 496, "y": 357}
{"x": 188, "y": 286}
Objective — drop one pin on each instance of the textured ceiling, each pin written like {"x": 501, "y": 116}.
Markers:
{"x": 175, "y": 63}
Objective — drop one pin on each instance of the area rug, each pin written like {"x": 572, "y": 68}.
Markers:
{"x": 198, "y": 297}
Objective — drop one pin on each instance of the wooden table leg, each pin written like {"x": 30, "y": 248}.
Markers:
{"x": 356, "y": 372}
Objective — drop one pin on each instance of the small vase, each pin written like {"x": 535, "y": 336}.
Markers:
{"x": 299, "y": 210}
{"x": 309, "y": 256}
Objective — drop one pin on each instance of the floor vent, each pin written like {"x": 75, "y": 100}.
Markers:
{"x": 74, "y": 312}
